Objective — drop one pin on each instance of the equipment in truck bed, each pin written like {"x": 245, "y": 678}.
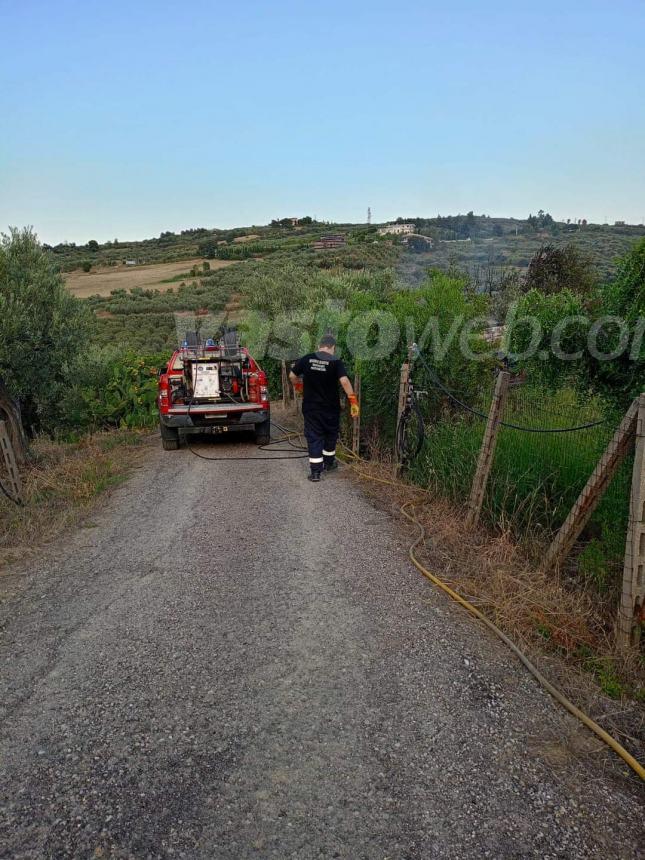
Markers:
{"x": 212, "y": 386}
{"x": 205, "y": 380}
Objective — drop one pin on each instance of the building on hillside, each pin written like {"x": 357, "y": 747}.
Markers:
{"x": 327, "y": 242}
{"x": 396, "y": 229}
{"x": 131, "y": 262}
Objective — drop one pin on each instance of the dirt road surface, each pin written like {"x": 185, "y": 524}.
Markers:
{"x": 230, "y": 662}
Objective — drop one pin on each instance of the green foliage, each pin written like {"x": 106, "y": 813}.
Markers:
{"x": 276, "y": 291}
{"x": 616, "y": 313}
{"x": 303, "y": 303}
{"x": 541, "y": 220}
{"x": 622, "y": 378}
{"x": 42, "y": 328}
{"x": 548, "y": 311}
{"x": 112, "y": 390}
{"x": 552, "y": 270}
{"x": 431, "y": 316}
{"x": 592, "y": 564}
{"x": 207, "y": 248}
{"x": 357, "y": 255}
{"x": 140, "y": 333}
{"x": 605, "y": 673}
{"x": 86, "y": 265}
{"x": 208, "y": 293}
{"x": 246, "y": 250}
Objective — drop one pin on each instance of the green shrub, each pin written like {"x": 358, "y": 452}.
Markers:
{"x": 42, "y": 329}
{"x": 113, "y": 390}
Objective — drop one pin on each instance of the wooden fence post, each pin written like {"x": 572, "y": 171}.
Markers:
{"x": 10, "y": 409}
{"x": 632, "y": 599}
{"x": 403, "y": 396}
{"x": 590, "y": 497}
{"x": 487, "y": 451}
{"x": 13, "y": 474}
{"x": 356, "y": 423}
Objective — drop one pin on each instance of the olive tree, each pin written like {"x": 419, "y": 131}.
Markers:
{"x": 42, "y": 330}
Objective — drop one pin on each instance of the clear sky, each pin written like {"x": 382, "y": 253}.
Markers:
{"x": 120, "y": 120}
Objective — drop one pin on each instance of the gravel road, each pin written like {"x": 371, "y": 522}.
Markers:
{"x": 230, "y": 662}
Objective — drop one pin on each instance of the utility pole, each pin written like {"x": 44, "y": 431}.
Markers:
{"x": 369, "y": 216}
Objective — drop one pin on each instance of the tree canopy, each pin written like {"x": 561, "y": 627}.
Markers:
{"x": 41, "y": 327}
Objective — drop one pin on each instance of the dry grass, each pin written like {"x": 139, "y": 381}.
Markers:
{"x": 566, "y": 630}
{"x": 60, "y": 483}
{"x": 102, "y": 281}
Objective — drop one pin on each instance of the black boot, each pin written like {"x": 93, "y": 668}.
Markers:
{"x": 314, "y": 476}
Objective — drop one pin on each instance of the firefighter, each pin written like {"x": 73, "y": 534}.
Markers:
{"x": 320, "y": 372}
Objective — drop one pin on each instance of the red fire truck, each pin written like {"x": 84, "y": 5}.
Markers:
{"x": 212, "y": 386}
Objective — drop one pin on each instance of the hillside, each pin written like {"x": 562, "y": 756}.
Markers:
{"x": 467, "y": 242}
{"x": 192, "y": 271}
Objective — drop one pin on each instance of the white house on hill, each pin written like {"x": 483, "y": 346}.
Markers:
{"x": 396, "y": 229}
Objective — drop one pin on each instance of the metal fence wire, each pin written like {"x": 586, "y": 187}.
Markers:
{"x": 548, "y": 444}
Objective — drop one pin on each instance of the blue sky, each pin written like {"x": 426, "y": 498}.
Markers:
{"x": 121, "y": 120}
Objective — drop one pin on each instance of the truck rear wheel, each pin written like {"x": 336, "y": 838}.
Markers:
{"x": 263, "y": 433}
{"x": 169, "y": 437}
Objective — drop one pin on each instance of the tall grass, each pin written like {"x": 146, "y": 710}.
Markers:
{"x": 536, "y": 477}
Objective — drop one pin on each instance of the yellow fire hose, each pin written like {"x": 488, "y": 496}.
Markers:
{"x": 557, "y": 695}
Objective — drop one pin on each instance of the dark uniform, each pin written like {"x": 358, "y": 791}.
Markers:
{"x": 320, "y": 373}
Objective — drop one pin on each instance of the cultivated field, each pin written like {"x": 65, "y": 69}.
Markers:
{"x": 102, "y": 281}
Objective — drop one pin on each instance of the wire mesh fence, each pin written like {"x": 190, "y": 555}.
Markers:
{"x": 548, "y": 444}
{"x": 453, "y": 435}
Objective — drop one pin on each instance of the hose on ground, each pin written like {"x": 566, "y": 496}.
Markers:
{"x": 604, "y": 736}
{"x": 296, "y": 452}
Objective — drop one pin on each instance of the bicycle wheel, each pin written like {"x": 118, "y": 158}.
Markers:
{"x": 410, "y": 432}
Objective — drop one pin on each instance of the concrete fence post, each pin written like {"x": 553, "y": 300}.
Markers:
{"x": 632, "y": 598}
{"x": 403, "y": 396}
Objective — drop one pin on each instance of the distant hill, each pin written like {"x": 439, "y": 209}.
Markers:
{"x": 464, "y": 241}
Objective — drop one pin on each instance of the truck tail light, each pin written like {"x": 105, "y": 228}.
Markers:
{"x": 254, "y": 388}
{"x": 264, "y": 387}
{"x": 164, "y": 398}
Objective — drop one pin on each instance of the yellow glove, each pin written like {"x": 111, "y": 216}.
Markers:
{"x": 354, "y": 409}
